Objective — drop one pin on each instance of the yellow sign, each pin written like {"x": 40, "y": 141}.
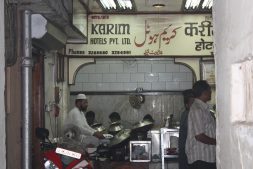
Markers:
{"x": 146, "y": 35}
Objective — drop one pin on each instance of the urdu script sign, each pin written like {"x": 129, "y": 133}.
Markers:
{"x": 146, "y": 35}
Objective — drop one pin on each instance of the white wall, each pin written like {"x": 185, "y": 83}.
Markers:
{"x": 128, "y": 74}
{"x": 159, "y": 106}
{"x": 233, "y": 34}
{"x": 2, "y": 80}
{"x": 51, "y": 122}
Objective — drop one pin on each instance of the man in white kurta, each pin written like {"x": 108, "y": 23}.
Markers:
{"x": 76, "y": 121}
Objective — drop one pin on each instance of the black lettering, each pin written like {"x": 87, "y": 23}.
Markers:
{"x": 76, "y": 52}
{"x": 93, "y": 29}
{"x": 125, "y": 28}
{"x": 116, "y": 52}
{"x": 95, "y": 41}
{"x": 102, "y": 29}
{"x": 191, "y": 29}
{"x": 110, "y": 29}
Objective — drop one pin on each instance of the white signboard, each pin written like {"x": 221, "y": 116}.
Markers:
{"x": 146, "y": 35}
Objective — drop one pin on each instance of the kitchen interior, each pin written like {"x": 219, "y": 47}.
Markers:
{"x": 133, "y": 87}
{"x": 233, "y": 50}
{"x": 123, "y": 77}
{"x": 132, "y": 84}
{"x": 118, "y": 85}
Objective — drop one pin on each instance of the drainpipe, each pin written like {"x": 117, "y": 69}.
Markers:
{"x": 26, "y": 72}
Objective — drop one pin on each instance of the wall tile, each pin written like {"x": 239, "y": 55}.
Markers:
{"x": 151, "y": 77}
{"x": 109, "y": 77}
{"x": 165, "y": 77}
{"x": 102, "y": 68}
{"x": 105, "y": 61}
{"x": 179, "y": 76}
{"x": 145, "y": 86}
{"x": 80, "y": 77}
{"x": 95, "y": 77}
{"x": 123, "y": 77}
{"x": 130, "y": 68}
{"x": 116, "y": 87}
{"x": 157, "y": 68}
{"x": 185, "y": 85}
{"x": 172, "y": 86}
{"x": 103, "y": 86}
{"x": 189, "y": 77}
{"x": 116, "y": 68}
{"x": 142, "y": 62}
{"x": 172, "y": 68}
{"x": 76, "y": 87}
{"x": 166, "y": 61}
{"x": 129, "y": 86}
{"x": 183, "y": 68}
{"x": 158, "y": 85}
{"x": 144, "y": 68}
{"x": 89, "y": 86}
{"x": 127, "y": 75}
{"x": 90, "y": 68}
{"x": 137, "y": 77}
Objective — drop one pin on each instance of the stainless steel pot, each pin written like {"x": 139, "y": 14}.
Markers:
{"x": 98, "y": 127}
{"x": 120, "y": 137}
{"x": 144, "y": 124}
{"x": 140, "y": 129}
{"x": 115, "y": 127}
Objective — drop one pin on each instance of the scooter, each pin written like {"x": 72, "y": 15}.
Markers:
{"x": 56, "y": 156}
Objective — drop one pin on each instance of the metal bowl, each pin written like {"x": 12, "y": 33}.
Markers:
{"x": 98, "y": 127}
{"x": 143, "y": 125}
{"x": 120, "y": 137}
{"x": 115, "y": 127}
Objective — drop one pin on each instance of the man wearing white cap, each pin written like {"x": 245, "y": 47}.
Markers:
{"x": 76, "y": 119}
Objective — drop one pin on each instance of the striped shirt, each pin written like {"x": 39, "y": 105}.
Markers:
{"x": 200, "y": 121}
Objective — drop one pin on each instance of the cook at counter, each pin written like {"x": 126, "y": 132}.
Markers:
{"x": 90, "y": 117}
{"x": 76, "y": 126}
{"x": 115, "y": 118}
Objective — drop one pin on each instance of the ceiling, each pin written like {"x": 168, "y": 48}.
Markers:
{"x": 61, "y": 13}
{"x": 143, "y": 6}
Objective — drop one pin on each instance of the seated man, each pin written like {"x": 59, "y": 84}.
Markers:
{"x": 90, "y": 117}
{"x": 76, "y": 126}
{"x": 149, "y": 118}
{"x": 115, "y": 117}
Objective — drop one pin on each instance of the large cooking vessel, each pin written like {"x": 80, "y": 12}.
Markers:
{"x": 143, "y": 125}
{"x": 120, "y": 138}
{"x": 115, "y": 127}
{"x": 140, "y": 129}
{"x": 98, "y": 127}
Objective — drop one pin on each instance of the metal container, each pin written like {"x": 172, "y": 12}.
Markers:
{"x": 170, "y": 140}
{"x": 120, "y": 138}
{"x": 98, "y": 127}
{"x": 155, "y": 141}
{"x": 140, "y": 151}
{"x": 115, "y": 127}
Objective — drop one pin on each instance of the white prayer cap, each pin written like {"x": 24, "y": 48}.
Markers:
{"x": 81, "y": 96}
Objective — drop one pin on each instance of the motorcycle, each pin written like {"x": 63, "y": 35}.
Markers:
{"x": 57, "y": 156}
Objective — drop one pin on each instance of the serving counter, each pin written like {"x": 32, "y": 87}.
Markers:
{"x": 120, "y": 165}
{"x": 160, "y": 151}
